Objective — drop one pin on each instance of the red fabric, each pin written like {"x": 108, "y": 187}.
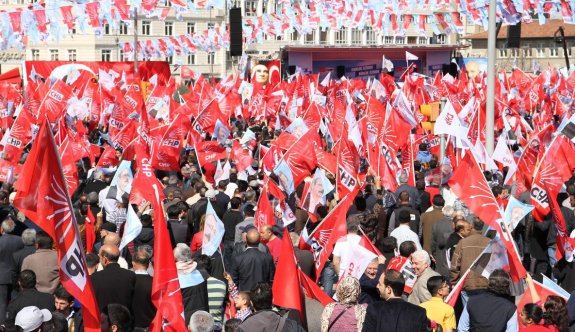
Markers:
{"x": 543, "y": 293}
{"x": 42, "y": 197}
{"x": 90, "y": 231}
{"x": 367, "y": 244}
{"x": 286, "y": 287}
{"x": 275, "y": 247}
{"x": 536, "y": 328}
{"x": 197, "y": 241}
{"x": 264, "y": 213}
{"x": 313, "y": 291}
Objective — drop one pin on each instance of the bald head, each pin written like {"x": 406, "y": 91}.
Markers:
{"x": 253, "y": 238}
{"x": 109, "y": 254}
{"x": 112, "y": 239}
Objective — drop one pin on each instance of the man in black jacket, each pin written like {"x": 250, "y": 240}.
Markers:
{"x": 394, "y": 314}
{"x": 29, "y": 240}
{"x": 9, "y": 244}
{"x": 28, "y": 296}
{"x": 252, "y": 266}
{"x": 144, "y": 309}
{"x": 113, "y": 284}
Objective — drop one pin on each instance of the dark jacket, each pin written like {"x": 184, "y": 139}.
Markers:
{"x": 114, "y": 285}
{"x": 488, "y": 312}
{"x": 195, "y": 298}
{"x": 565, "y": 273}
{"x": 9, "y": 244}
{"x": 179, "y": 230}
{"x": 251, "y": 267}
{"x": 21, "y": 254}
{"x": 414, "y": 199}
{"x": 268, "y": 321}
{"x": 29, "y": 297}
{"x": 395, "y": 315}
{"x": 369, "y": 293}
{"x": 144, "y": 309}
{"x": 146, "y": 237}
{"x": 231, "y": 219}
{"x": 305, "y": 262}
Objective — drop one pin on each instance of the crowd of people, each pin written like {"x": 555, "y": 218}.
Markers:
{"x": 410, "y": 253}
{"x": 428, "y": 242}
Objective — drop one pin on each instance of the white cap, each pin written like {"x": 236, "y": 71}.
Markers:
{"x": 211, "y": 193}
{"x": 30, "y": 318}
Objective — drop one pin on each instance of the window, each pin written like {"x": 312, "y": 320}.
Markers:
{"x": 310, "y": 38}
{"x": 106, "y": 29}
{"x": 388, "y": 40}
{"x": 191, "y": 28}
{"x": 514, "y": 52}
{"x": 553, "y": 51}
{"x": 35, "y": 54}
{"x": 122, "y": 56}
{"x": 400, "y": 40}
{"x": 369, "y": 36}
{"x": 503, "y": 52}
{"x": 528, "y": 52}
{"x": 211, "y": 59}
{"x": 422, "y": 40}
{"x": 71, "y": 55}
{"x": 211, "y": 26}
{"x": 170, "y": 59}
{"x": 168, "y": 28}
{"x": 295, "y": 36}
{"x": 54, "y": 55}
{"x": 356, "y": 36}
{"x": 428, "y": 19}
{"x": 251, "y": 7}
{"x": 106, "y": 55}
{"x": 568, "y": 50}
{"x": 441, "y": 39}
{"x": 167, "y": 3}
{"x": 191, "y": 59}
{"x": 341, "y": 36}
{"x": 323, "y": 37}
{"x": 411, "y": 40}
{"x": 123, "y": 29}
{"x": 540, "y": 50}
{"x": 146, "y": 28}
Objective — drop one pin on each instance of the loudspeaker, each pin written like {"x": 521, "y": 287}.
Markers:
{"x": 291, "y": 70}
{"x": 514, "y": 36}
{"x": 236, "y": 37}
{"x": 340, "y": 71}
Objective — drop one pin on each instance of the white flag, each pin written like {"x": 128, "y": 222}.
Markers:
{"x": 410, "y": 56}
{"x": 213, "y": 231}
{"x": 354, "y": 261}
{"x": 502, "y": 153}
{"x": 222, "y": 172}
{"x": 132, "y": 228}
{"x": 448, "y": 123}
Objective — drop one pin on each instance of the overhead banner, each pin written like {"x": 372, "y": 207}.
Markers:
{"x": 61, "y": 69}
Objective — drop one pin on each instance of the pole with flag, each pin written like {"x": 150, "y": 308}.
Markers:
{"x": 41, "y": 194}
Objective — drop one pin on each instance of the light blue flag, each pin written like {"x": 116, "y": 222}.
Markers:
{"x": 213, "y": 231}
{"x": 515, "y": 211}
{"x": 132, "y": 228}
{"x": 123, "y": 177}
{"x": 554, "y": 287}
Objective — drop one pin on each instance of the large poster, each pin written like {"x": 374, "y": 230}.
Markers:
{"x": 474, "y": 66}
{"x": 59, "y": 69}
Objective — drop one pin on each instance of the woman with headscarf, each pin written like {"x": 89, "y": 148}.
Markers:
{"x": 345, "y": 314}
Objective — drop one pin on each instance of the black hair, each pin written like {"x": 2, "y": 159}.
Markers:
{"x": 389, "y": 244}
{"x": 92, "y": 259}
{"x": 534, "y": 312}
{"x": 395, "y": 280}
{"x": 499, "y": 282}
{"x": 435, "y": 283}
{"x": 406, "y": 248}
{"x": 235, "y": 203}
{"x": 261, "y": 296}
{"x": 63, "y": 294}
{"x": 438, "y": 201}
{"x": 27, "y": 279}
{"x": 359, "y": 203}
{"x": 232, "y": 325}
{"x": 173, "y": 211}
{"x": 120, "y": 316}
{"x": 146, "y": 220}
{"x": 204, "y": 262}
{"x": 249, "y": 210}
{"x": 43, "y": 240}
{"x": 404, "y": 216}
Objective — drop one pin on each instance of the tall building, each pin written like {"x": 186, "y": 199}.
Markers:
{"x": 320, "y": 50}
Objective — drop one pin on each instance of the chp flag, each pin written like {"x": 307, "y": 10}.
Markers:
{"x": 42, "y": 196}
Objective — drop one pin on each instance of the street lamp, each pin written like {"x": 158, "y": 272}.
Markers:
{"x": 560, "y": 39}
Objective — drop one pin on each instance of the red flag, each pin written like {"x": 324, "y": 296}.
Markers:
{"x": 469, "y": 184}
{"x": 287, "y": 287}
{"x": 543, "y": 293}
{"x": 69, "y": 168}
{"x": 168, "y": 153}
{"x": 264, "y": 212}
{"x": 454, "y": 294}
{"x": 54, "y": 103}
{"x": 90, "y": 231}
{"x": 210, "y": 151}
{"x": 241, "y": 156}
{"x": 331, "y": 229}
{"x": 367, "y": 244}
{"x": 565, "y": 244}
{"x": 43, "y": 198}
{"x": 166, "y": 294}
{"x": 313, "y": 291}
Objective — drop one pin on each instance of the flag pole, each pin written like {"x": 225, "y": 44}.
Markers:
{"x": 491, "y": 59}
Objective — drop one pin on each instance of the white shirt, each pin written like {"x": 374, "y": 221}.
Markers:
{"x": 404, "y": 233}
{"x": 342, "y": 245}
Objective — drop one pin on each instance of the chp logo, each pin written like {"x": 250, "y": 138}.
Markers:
{"x": 540, "y": 196}
{"x": 57, "y": 96}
